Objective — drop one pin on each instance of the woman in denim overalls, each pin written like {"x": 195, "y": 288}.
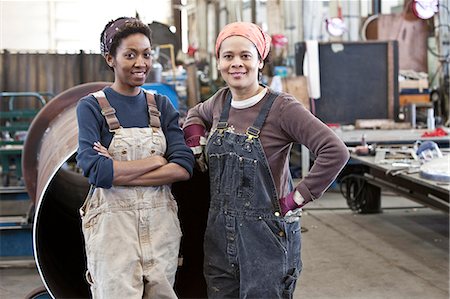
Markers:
{"x": 131, "y": 148}
{"x": 252, "y": 240}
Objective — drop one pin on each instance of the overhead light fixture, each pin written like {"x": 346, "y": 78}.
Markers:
{"x": 425, "y": 9}
{"x": 335, "y": 26}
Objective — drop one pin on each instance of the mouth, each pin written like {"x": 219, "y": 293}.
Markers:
{"x": 139, "y": 74}
{"x": 237, "y": 75}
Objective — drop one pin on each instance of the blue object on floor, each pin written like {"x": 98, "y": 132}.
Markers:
{"x": 15, "y": 240}
{"x": 163, "y": 89}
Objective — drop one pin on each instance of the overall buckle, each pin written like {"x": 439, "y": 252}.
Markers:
{"x": 221, "y": 126}
{"x": 108, "y": 111}
{"x": 252, "y": 133}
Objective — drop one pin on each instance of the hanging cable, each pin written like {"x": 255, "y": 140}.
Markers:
{"x": 351, "y": 187}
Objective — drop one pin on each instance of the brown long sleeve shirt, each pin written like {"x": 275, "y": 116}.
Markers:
{"x": 288, "y": 122}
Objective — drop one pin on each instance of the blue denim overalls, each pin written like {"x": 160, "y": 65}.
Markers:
{"x": 251, "y": 251}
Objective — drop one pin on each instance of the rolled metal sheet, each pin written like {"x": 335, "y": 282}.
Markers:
{"x": 57, "y": 193}
{"x": 47, "y": 127}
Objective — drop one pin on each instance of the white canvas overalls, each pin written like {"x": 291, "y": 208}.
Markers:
{"x": 132, "y": 234}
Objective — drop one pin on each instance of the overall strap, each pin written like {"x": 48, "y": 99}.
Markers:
{"x": 254, "y": 130}
{"x": 107, "y": 111}
{"x": 223, "y": 124}
{"x": 153, "y": 111}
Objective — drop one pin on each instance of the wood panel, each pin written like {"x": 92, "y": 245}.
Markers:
{"x": 50, "y": 72}
{"x": 47, "y": 73}
{"x": 14, "y": 72}
{"x": 412, "y": 36}
{"x": 41, "y": 77}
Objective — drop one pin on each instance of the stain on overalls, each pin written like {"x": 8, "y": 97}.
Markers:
{"x": 251, "y": 251}
{"x": 132, "y": 234}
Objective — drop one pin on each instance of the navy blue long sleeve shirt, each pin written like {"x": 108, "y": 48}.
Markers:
{"x": 131, "y": 111}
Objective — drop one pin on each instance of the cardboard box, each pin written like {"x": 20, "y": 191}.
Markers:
{"x": 420, "y": 84}
{"x": 296, "y": 86}
{"x": 414, "y": 98}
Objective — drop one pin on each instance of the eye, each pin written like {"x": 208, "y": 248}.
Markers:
{"x": 227, "y": 56}
{"x": 148, "y": 55}
{"x": 246, "y": 56}
{"x": 130, "y": 55}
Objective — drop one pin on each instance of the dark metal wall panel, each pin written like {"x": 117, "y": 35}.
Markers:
{"x": 359, "y": 80}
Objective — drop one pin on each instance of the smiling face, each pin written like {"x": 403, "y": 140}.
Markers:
{"x": 131, "y": 63}
{"x": 239, "y": 65}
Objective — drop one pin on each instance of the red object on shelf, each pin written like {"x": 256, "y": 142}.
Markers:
{"x": 333, "y": 125}
{"x": 279, "y": 40}
{"x": 439, "y": 132}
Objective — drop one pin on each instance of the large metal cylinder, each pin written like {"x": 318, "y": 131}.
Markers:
{"x": 57, "y": 193}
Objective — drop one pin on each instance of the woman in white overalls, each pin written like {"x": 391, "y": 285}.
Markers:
{"x": 131, "y": 149}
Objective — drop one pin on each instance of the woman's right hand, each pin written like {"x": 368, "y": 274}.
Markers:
{"x": 103, "y": 151}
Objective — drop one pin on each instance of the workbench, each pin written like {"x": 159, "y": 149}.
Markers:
{"x": 377, "y": 176}
{"x": 432, "y": 193}
{"x": 408, "y": 136}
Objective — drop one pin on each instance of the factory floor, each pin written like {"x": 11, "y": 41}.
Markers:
{"x": 402, "y": 252}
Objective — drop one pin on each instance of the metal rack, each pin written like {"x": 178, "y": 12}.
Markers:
{"x": 14, "y": 123}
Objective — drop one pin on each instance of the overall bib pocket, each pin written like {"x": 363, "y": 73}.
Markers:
{"x": 223, "y": 169}
{"x": 123, "y": 148}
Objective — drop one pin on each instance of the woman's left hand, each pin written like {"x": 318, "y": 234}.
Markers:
{"x": 290, "y": 202}
{"x": 103, "y": 151}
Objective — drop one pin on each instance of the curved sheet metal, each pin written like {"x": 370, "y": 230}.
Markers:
{"x": 57, "y": 193}
{"x": 52, "y": 137}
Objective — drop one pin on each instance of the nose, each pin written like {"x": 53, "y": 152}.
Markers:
{"x": 141, "y": 61}
{"x": 237, "y": 62}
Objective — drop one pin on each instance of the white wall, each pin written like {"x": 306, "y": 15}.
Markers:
{"x": 69, "y": 25}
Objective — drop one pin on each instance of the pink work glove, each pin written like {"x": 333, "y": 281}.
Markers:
{"x": 289, "y": 202}
{"x": 194, "y": 135}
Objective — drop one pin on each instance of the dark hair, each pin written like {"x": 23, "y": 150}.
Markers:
{"x": 268, "y": 59}
{"x": 128, "y": 28}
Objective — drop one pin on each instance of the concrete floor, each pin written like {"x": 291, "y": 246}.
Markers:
{"x": 400, "y": 253}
